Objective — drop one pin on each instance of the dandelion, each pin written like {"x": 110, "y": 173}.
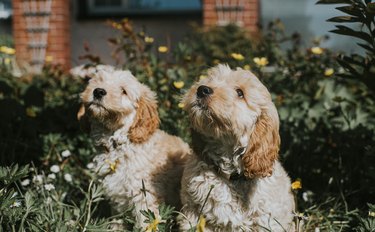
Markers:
{"x": 260, "y": 61}
{"x": 316, "y": 50}
{"x": 38, "y": 179}
{"x": 51, "y": 176}
{"x": 153, "y": 227}
{"x": 178, "y": 84}
{"x": 162, "y": 49}
{"x": 201, "y": 224}
{"x": 7, "y": 50}
{"x": 181, "y": 105}
{"x": 66, "y": 153}
{"x": 49, "y": 59}
{"x": 328, "y": 72}
{"x": 30, "y": 112}
{"x": 25, "y": 182}
{"x": 49, "y": 187}
{"x": 90, "y": 165}
{"x": 149, "y": 39}
{"x": 55, "y": 168}
{"x": 237, "y": 56}
{"x": 296, "y": 185}
{"x": 15, "y": 204}
{"x": 68, "y": 177}
{"x": 112, "y": 166}
{"x": 6, "y": 61}
{"x": 201, "y": 77}
{"x": 246, "y": 67}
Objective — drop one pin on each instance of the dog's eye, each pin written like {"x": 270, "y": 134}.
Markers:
{"x": 124, "y": 91}
{"x": 239, "y": 93}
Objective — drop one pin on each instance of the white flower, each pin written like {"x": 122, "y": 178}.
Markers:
{"x": 25, "y": 182}
{"x": 90, "y": 165}
{"x": 66, "y": 153}
{"x": 52, "y": 176}
{"x": 55, "y": 168}
{"x": 70, "y": 223}
{"x": 38, "y": 179}
{"x": 317, "y": 229}
{"x": 49, "y": 187}
{"x": 68, "y": 177}
{"x": 49, "y": 200}
{"x": 15, "y": 204}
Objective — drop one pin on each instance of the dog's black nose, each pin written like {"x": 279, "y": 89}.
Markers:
{"x": 99, "y": 93}
{"x": 204, "y": 91}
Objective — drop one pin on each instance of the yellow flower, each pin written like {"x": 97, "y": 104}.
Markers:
{"x": 201, "y": 77}
{"x": 152, "y": 227}
{"x": 178, "y": 84}
{"x": 113, "y": 166}
{"x": 216, "y": 61}
{"x": 181, "y": 105}
{"x": 237, "y": 56}
{"x": 371, "y": 214}
{"x": 201, "y": 224}
{"x": 316, "y": 50}
{"x": 149, "y": 39}
{"x": 296, "y": 185}
{"x": 162, "y": 49}
{"x": 7, "y": 50}
{"x": 30, "y": 112}
{"x": 261, "y": 61}
{"x": 6, "y": 61}
{"x": 49, "y": 59}
{"x": 246, "y": 67}
{"x": 328, "y": 72}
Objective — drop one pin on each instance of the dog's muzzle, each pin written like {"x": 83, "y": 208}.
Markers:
{"x": 204, "y": 91}
{"x": 99, "y": 93}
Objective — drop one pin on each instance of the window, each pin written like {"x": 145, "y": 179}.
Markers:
{"x": 133, "y": 7}
{"x": 5, "y": 9}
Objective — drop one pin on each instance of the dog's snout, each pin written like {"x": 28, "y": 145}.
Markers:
{"x": 204, "y": 91}
{"x": 99, "y": 93}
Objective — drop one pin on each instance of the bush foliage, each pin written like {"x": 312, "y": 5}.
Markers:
{"x": 325, "y": 102}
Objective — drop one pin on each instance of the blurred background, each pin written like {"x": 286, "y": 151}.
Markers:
{"x": 73, "y": 23}
{"x": 317, "y": 60}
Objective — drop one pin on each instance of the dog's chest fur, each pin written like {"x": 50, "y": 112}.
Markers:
{"x": 134, "y": 173}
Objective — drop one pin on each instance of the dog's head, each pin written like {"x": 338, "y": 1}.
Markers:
{"x": 115, "y": 99}
{"x": 235, "y": 105}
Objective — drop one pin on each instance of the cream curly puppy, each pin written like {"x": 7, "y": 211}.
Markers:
{"x": 234, "y": 178}
{"x": 140, "y": 164}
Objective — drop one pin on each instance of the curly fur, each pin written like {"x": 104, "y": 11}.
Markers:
{"x": 236, "y": 143}
{"x": 133, "y": 152}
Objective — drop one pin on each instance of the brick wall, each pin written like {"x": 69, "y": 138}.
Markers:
{"x": 58, "y": 43}
{"x": 220, "y": 12}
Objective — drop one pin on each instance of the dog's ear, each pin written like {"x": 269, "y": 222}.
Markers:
{"x": 83, "y": 118}
{"x": 146, "y": 120}
{"x": 263, "y": 147}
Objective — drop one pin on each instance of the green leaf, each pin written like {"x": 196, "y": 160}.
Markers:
{"x": 347, "y": 66}
{"x": 351, "y": 10}
{"x": 344, "y": 19}
{"x": 367, "y": 47}
{"x": 333, "y": 2}
{"x": 344, "y": 30}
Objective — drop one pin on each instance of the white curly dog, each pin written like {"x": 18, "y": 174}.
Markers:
{"x": 234, "y": 179}
{"x": 141, "y": 165}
